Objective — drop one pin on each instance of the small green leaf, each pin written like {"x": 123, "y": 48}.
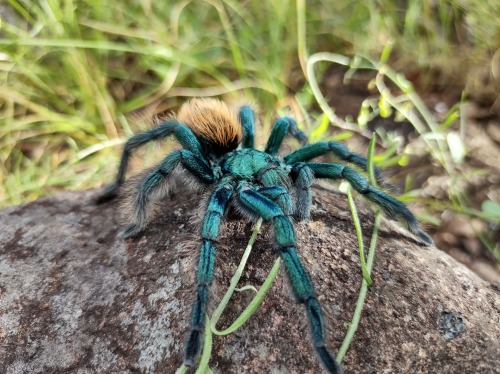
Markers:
{"x": 341, "y": 136}
{"x": 404, "y": 111}
{"x": 364, "y": 114}
{"x": 404, "y": 160}
{"x": 385, "y": 107}
{"x": 246, "y": 288}
{"x": 344, "y": 186}
{"x": 453, "y": 115}
{"x": 491, "y": 209}
{"x": 458, "y": 150}
{"x": 322, "y": 127}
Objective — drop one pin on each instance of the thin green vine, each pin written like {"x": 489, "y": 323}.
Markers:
{"x": 362, "y": 293}
{"x": 236, "y": 277}
{"x": 207, "y": 350}
{"x": 369, "y": 261}
{"x": 254, "y": 304}
{"x": 359, "y": 235}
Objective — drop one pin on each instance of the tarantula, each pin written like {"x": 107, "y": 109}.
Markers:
{"x": 258, "y": 184}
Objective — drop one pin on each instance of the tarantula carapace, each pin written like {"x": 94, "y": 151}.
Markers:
{"x": 218, "y": 153}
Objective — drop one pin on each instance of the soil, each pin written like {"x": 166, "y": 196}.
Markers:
{"x": 478, "y": 175}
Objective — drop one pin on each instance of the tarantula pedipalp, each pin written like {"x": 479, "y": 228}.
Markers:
{"x": 258, "y": 183}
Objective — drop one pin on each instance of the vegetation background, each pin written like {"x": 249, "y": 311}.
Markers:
{"x": 78, "y": 77}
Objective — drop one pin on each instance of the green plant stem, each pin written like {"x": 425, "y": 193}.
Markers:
{"x": 207, "y": 349}
{"x": 359, "y": 234}
{"x": 313, "y": 83}
{"x": 358, "y": 62}
{"x": 362, "y": 293}
{"x": 369, "y": 161}
{"x": 254, "y": 304}
{"x": 301, "y": 36}
{"x": 236, "y": 277}
{"x": 371, "y": 256}
{"x": 182, "y": 370}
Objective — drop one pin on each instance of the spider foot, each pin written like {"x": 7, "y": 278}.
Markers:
{"x": 108, "y": 193}
{"x": 193, "y": 346}
{"x": 424, "y": 238}
{"x": 329, "y": 362}
{"x": 131, "y": 231}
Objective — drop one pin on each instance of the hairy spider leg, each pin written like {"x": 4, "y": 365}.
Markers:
{"x": 210, "y": 231}
{"x": 184, "y": 135}
{"x": 273, "y": 179}
{"x": 303, "y": 180}
{"x": 280, "y": 196}
{"x": 392, "y": 207}
{"x": 281, "y": 128}
{"x": 339, "y": 150}
{"x": 302, "y": 286}
{"x": 150, "y": 184}
{"x": 247, "y": 119}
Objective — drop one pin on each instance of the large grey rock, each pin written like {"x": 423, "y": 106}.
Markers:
{"x": 74, "y": 298}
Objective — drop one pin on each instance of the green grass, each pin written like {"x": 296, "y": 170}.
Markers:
{"x": 77, "y": 77}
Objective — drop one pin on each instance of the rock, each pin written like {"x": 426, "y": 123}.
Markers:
{"x": 75, "y": 298}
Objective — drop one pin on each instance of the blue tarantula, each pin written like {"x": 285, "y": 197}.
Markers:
{"x": 258, "y": 183}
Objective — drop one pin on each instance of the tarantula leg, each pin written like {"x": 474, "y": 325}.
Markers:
{"x": 303, "y": 178}
{"x": 339, "y": 150}
{"x": 209, "y": 233}
{"x": 299, "y": 277}
{"x": 280, "y": 195}
{"x": 151, "y": 183}
{"x": 392, "y": 207}
{"x": 247, "y": 120}
{"x": 271, "y": 175}
{"x": 281, "y": 128}
{"x": 183, "y": 134}
{"x": 108, "y": 193}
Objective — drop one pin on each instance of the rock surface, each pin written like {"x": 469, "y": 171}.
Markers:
{"x": 75, "y": 298}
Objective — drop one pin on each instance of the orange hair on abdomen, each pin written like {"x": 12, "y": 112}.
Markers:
{"x": 212, "y": 120}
